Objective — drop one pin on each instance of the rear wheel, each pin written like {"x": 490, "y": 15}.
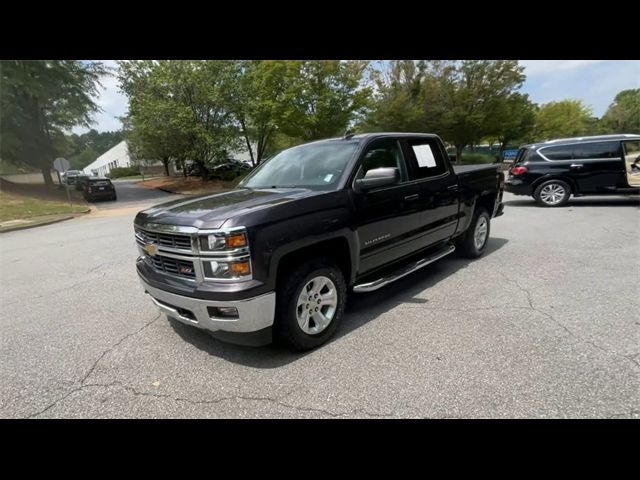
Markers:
{"x": 310, "y": 305}
{"x": 474, "y": 241}
{"x": 553, "y": 193}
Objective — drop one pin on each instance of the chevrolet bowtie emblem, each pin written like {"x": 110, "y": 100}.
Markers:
{"x": 151, "y": 249}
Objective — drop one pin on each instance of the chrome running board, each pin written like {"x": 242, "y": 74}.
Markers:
{"x": 403, "y": 272}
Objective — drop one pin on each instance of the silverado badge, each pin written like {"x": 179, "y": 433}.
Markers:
{"x": 151, "y": 249}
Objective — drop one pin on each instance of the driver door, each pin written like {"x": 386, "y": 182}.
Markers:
{"x": 385, "y": 216}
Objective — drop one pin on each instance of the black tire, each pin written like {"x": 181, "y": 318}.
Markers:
{"x": 286, "y": 330}
{"x": 558, "y": 186}
{"x": 115, "y": 197}
{"x": 466, "y": 244}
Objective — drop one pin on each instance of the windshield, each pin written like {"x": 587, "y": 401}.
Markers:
{"x": 317, "y": 166}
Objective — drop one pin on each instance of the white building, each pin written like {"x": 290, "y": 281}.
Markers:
{"x": 117, "y": 156}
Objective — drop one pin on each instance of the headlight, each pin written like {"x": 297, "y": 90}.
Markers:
{"x": 216, "y": 242}
{"x": 225, "y": 255}
{"x": 235, "y": 269}
{"x": 231, "y": 240}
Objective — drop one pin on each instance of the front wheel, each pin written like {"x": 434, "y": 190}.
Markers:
{"x": 310, "y": 305}
{"x": 474, "y": 241}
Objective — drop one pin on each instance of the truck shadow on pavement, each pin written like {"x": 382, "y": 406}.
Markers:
{"x": 360, "y": 310}
{"x": 633, "y": 201}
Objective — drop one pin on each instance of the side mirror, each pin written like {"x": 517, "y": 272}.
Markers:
{"x": 376, "y": 178}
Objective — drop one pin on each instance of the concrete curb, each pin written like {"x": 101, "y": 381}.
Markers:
{"x": 170, "y": 191}
{"x": 40, "y": 224}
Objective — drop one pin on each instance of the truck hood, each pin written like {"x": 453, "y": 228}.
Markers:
{"x": 212, "y": 211}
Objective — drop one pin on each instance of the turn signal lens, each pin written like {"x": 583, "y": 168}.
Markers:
{"x": 240, "y": 269}
{"x": 518, "y": 170}
{"x": 236, "y": 240}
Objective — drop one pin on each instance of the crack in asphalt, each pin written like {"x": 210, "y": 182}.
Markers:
{"x": 634, "y": 357}
{"x": 275, "y": 400}
{"x": 110, "y": 349}
{"x": 464, "y": 310}
{"x": 571, "y": 333}
{"x": 630, "y": 413}
{"x": 542, "y": 312}
{"x": 93, "y": 366}
{"x": 99, "y": 266}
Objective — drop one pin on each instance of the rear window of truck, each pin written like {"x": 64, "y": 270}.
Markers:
{"x": 428, "y": 157}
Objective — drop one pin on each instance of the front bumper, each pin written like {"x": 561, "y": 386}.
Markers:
{"x": 254, "y": 314}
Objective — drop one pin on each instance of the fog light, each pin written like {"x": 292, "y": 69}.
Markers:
{"x": 223, "y": 312}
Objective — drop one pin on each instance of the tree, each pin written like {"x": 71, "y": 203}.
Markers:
{"x": 623, "y": 115}
{"x": 462, "y": 97}
{"x": 325, "y": 96}
{"x": 512, "y": 119}
{"x": 566, "y": 118}
{"x": 39, "y": 100}
{"x": 398, "y": 104}
{"x": 178, "y": 110}
{"x": 260, "y": 99}
{"x": 83, "y": 158}
{"x": 83, "y": 149}
{"x": 152, "y": 124}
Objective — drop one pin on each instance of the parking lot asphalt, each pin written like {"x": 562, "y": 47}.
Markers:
{"x": 546, "y": 324}
{"x": 131, "y": 194}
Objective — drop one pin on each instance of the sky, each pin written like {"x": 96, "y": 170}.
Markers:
{"x": 595, "y": 82}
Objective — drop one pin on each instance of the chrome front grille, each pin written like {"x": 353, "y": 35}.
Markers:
{"x": 178, "y": 251}
{"x": 173, "y": 266}
{"x": 179, "y": 242}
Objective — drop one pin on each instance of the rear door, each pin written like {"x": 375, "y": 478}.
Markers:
{"x": 598, "y": 166}
{"x": 631, "y": 151}
{"x": 437, "y": 191}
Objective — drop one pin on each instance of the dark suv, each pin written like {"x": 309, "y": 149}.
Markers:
{"x": 96, "y": 188}
{"x": 554, "y": 170}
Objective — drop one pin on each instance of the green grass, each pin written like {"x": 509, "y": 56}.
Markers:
{"x": 13, "y": 206}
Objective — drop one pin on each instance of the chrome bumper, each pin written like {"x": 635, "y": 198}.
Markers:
{"x": 254, "y": 313}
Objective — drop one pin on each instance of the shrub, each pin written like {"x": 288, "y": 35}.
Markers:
{"x": 123, "y": 172}
{"x": 228, "y": 175}
{"x": 476, "y": 158}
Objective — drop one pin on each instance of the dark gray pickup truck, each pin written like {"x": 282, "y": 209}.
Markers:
{"x": 274, "y": 258}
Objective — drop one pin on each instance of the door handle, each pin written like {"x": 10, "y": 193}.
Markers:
{"x": 576, "y": 165}
{"x": 452, "y": 187}
{"x": 410, "y": 198}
